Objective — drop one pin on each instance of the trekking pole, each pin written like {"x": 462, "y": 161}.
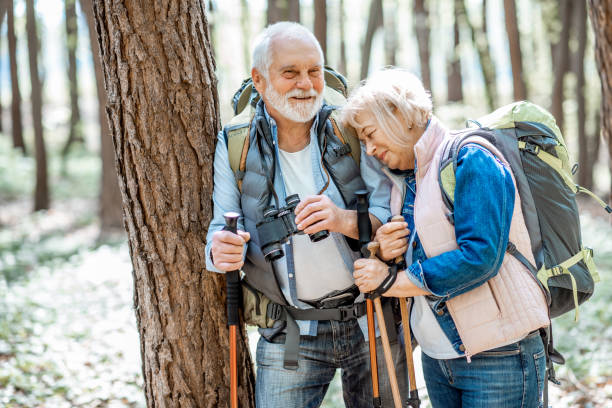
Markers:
{"x": 413, "y": 400}
{"x": 364, "y": 227}
{"x": 232, "y": 279}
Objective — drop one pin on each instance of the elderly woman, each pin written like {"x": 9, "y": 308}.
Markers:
{"x": 476, "y": 313}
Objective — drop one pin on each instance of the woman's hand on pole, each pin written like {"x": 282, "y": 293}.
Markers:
{"x": 393, "y": 239}
{"x": 369, "y": 273}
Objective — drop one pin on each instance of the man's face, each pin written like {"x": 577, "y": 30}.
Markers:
{"x": 294, "y": 88}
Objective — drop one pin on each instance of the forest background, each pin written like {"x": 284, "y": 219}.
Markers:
{"x": 68, "y": 333}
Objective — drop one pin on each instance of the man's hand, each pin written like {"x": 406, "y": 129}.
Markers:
{"x": 317, "y": 213}
{"x": 227, "y": 248}
{"x": 369, "y": 273}
{"x": 392, "y": 238}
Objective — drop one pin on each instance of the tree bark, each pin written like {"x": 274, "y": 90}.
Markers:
{"x": 601, "y": 15}
{"x": 320, "y": 24}
{"x": 455, "y": 81}
{"x": 16, "y": 120}
{"x": 342, "y": 67}
{"x": 163, "y": 116}
{"x": 586, "y": 155}
{"x": 75, "y": 134}
{"x": 479, "y": 39}
{"x": 561, "y": 62}
{"x": 111, "y": 217}
{"x": 375, "y": 21}
{"x": 421, "y": 27}
{"x": 41, "y": 192}
{"x": 516, "y": 58}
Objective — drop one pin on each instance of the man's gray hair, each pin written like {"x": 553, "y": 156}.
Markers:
{"x": 288, "y": 31}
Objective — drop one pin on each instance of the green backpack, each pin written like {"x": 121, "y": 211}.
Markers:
{"x": 531, "y": 142}
{"x": 244, "y": 101}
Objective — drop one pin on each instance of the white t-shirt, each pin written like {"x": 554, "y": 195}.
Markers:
{"x": 319, "y": 268}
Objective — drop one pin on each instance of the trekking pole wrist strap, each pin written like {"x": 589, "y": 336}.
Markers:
{"x": 386, "y": 283}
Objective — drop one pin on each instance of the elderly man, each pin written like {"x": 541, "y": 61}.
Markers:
{"x": 318, "y": 318}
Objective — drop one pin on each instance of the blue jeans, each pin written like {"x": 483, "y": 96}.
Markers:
{"x": 506, "y": 377}
{"x": 337, "y": 345}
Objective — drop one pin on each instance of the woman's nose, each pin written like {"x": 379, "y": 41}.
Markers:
{"x": 370, "y": 149}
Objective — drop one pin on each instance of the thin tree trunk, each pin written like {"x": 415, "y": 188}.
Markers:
{"x": 516, "y": 58}
{"x": 421, "y": 27}
{"x": 41, "y": 193}
{"x": 587, "y": 157}
{"x": 320, "y": 24}
{"x": 342, "y": 16}
{"x": 111, "y": 217}
{"x": 561, "y": 62}
{"x": 75, "y": 134}
{"x": 455, "y": 81}
{"x": 163, "y": 116}
{"x": 2, "y": 12}
{"x": 293, "y": 13}
{"x": 375, "y": 21}
{"x": 16, "y": 121}
{"x": 479, "y": 39}
{"x": 601, "y": 15}
{"x": 245, "y": 26}
{"x": 390, "y": 9}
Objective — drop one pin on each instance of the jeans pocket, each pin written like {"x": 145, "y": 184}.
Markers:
{"x": 539, "y": 359}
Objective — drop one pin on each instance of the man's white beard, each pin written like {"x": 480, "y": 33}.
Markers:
{"x": 298, "y": 111}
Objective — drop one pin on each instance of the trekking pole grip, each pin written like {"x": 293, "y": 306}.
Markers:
{"x": 232, "y": 278}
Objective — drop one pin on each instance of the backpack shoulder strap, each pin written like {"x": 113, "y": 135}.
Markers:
{"x": 237, "y": 133}
{"x": 347, "y": 136}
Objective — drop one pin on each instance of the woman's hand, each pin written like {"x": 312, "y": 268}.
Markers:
{"x": 393, "y": 240}
{"x": 369, "y": 273}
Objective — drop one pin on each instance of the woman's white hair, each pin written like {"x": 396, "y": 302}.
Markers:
{"x": 395, "y": 97}
{"x": 262, "y": 52}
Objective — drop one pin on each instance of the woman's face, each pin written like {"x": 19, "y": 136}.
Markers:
{"x": 381, "y": 146}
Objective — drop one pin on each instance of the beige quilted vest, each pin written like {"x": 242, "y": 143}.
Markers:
{"x": 510, "y": 305}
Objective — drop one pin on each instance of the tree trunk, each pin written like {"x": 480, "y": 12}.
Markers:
{"x": 421, "y": 27}
{"x": 2, "y": 12}
{"x": 320, "y": 24}
{"x": 601, "y": 15}
{"x": 245, "y": 25}
{"x": 516, "y": 58}
{"x": 375, "y": 21}
{"x": 283, "y": 10}
{"x": 390, "y": 8}
{"x": 163, "y": 116}
{"x": 111, "y": 218}
{"x": 16, "y": 121}
{"x": 561, "y": 62}
{"x": 342, "y": 16}
{"x": 479, "y": 39}
{"x": 294, "y": 11}
{"x": 41, "y": 193}
{"x": 75, "y": 134}
{"x": 455, "y": 81}
{"x": 586, "y": 156}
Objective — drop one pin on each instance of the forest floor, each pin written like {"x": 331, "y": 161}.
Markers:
{"x": 68, "y": 334}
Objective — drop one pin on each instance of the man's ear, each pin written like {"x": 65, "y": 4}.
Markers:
{"x": 259, "y": 81}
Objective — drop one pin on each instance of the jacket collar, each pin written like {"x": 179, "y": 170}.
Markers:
{"x": 425, "y": 148}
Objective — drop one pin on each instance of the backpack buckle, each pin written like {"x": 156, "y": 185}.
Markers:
{"x": 532, "y": 148}
{"x": 275, "y": 311}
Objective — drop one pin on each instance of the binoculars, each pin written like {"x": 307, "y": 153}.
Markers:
{"x": 278, "y": 225}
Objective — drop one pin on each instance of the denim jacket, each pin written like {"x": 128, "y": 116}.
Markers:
{"x": 484, "y": 200}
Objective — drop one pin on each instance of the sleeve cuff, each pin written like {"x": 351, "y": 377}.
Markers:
{"x": 381, "y": 213}
{"x": 415, "y": 273}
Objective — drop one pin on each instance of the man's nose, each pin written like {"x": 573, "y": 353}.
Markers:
{"x": 304, "y": 82}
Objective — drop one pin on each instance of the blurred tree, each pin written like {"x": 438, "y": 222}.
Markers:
{"x": 320, "y": 25}
{"x": 111, "y": 218}
{"x": 587, "y": 155}
{"x": 421, "y": 28}
{"x": 561, "y": 61}
{"x": 2, "y": 13}
{"x": 342, "y": 66}
{"x": 41, "y": 193}
{"x": 75, "y": 133}
{"x": 390, "y": 25}
{"x": 455, "y": 81}
{"x": 601, "y": 15}
{"x": 375, "y": 21}
{"x": 479, "y": 39}
{"x": 283, "y": 10}
{"x": 16, "y": 121}
{"x": 516, "y": 58}
{"x": 245, "y": 25}
{"x": 163, "y": 115}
